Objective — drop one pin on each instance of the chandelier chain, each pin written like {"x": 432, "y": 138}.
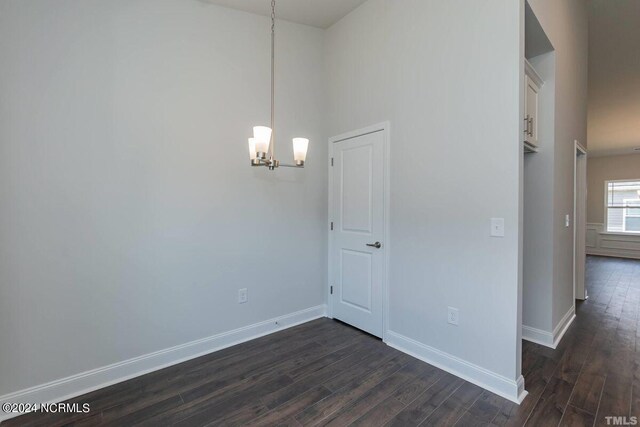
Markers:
{"x": 273, "y": 15}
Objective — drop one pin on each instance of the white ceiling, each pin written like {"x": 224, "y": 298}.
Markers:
{"x": 317, "y": 13}
{"x": 614, "y": 76}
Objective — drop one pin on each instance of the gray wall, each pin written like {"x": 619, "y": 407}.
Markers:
{"x": 565, "y": 23}
{"x": 538, "y": 206}
{"x": 446, "y": 74}
{"x": 129, "y": 216}
{"x": 614, "y": 66}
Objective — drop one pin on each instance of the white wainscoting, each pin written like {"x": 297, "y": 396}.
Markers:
{"x": 76, "y": 385}
{"x": 600, "y": 242}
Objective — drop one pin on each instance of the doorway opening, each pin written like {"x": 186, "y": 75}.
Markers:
{"x": 579, "y": 222}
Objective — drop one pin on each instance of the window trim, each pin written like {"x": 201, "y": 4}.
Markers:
{"x": 606, "y": 209}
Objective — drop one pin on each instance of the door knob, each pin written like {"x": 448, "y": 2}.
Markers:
{"x": 376, "y": 245}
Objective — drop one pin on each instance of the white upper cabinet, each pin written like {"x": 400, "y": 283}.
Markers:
{"x": 533, "y": 83}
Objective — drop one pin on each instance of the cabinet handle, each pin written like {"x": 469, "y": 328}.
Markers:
{"x": 531, "y": 126}
{"x": 526, "y": 125}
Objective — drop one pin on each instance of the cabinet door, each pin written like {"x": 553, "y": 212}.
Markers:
{"x": 531, "y": 112}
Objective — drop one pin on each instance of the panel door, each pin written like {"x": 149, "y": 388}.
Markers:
{"x": 358, "y": 247}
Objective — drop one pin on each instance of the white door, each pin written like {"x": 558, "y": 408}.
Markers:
{"x": 357, "y": 249}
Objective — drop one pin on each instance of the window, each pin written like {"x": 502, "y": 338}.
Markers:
{"x": 622, "y": 206}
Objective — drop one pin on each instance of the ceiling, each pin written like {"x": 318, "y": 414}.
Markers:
{"x": 317, "y": 13}
{"x": 614, "y": 76}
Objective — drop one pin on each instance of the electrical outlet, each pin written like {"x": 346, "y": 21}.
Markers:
{"x": 567, "y": 220}
{"x": 452, "y": 315}
{"x": 242, "y": 296}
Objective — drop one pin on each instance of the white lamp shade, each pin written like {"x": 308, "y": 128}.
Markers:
{"x": 262, "y": 136}
{"x": 252, "y": 149}
{"x": 300, "y": 146}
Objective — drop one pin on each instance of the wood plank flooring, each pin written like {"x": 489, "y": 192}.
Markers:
{"x": 327, "y": 373}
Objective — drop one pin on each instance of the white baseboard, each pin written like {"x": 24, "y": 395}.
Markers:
{"x": 563, "y": 325}
{"x": 512, "y": 390}
{"x": 85, "y": 382}
{"x": 550, "y": 339}
{"x": 537, "y": 336}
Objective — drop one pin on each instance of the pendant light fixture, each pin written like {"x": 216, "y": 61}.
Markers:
{"x": 262, "y": 146}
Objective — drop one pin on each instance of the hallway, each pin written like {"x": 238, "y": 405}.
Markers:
{"x": 594, "y": 372}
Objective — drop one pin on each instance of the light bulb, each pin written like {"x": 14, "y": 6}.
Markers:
{"x": 262, "y": 135}
{"x": 252, "y": 149}
{"x": 300, "y": 147}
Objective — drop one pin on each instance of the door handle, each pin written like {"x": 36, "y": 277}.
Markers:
{"x": 376, "y": 245}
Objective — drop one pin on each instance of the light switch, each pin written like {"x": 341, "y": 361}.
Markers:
{"x": 497, "y": 227}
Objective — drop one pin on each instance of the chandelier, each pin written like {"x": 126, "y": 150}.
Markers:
{"x": 262, "y": 145}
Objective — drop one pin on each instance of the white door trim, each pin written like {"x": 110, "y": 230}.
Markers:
{"x": 578, "y": 148}
{"x": 383, "y": 127}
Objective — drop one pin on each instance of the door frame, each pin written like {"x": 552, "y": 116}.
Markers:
{"x": 385, "y": 128}
{"x": 579, "y": 150}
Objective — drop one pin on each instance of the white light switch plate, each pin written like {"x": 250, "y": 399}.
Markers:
{"x": 497, "y": 227}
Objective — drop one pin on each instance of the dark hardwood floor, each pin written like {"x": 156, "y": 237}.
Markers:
{"x": 326, "y": 373}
